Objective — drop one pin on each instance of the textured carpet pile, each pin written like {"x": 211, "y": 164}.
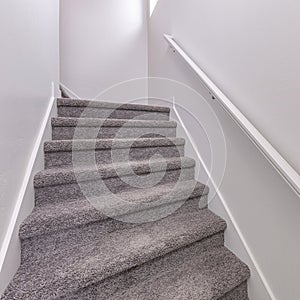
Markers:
{"x": 119, "y": 214}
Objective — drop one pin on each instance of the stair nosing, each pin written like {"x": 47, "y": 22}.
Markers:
{"x": 132, "y": 257}
{"x": 106, "y": 144}
{"x": 110, "y": 123}
{"x": 199, "y": 190}
{"x": 68, "y": 175}
{"x": 110, "y": 105}
{"x": 85, "y": 257}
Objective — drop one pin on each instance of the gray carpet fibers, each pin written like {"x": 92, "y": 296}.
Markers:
{"x": 119, "y": 214}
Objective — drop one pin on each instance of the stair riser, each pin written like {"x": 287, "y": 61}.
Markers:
{"x": 104, "y": 156}
{"x": 92, "y": 112}
{"x": 48, "y": 219}
{"x": 155, "y": 244}
{"x": 34, "y": 248}
{"x": 65, "y": 192}
{"x": 68, "y": 133}
{"x": 109, "y": 288}
{"x": 91, "y": 213}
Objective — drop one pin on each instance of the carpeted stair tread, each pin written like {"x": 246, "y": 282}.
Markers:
{"x": 61, "y": 176}
{"x": 105, "y": 151}
{"x": 111, "y": 105}
{"x": 204, "y": 276}
{"x": 99, "y": 144}
{"x": 97, "y": 122}
{"x": 54, "y": 217}
{"x": 68, "y": 128}
{"x": 214, "y": 274}
{"x": 63, "y": 273}
{"x": 69, "y": 241}
{"x": 96, "y": 234}
{"x": 238, "y": 293}
{"x": 100, "y": 109}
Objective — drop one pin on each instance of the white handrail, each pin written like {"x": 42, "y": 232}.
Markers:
{"x": 289, "y": 174}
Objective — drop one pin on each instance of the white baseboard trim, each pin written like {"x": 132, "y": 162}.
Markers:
{"x": 72, "y": 94}
{"x": 26, "y": 181}
{"x": 230, "y": 216}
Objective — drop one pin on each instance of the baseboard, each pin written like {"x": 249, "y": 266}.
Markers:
{"x": 10, "y": 249}
{"x": 236, "y": 242}
{"x": 234, "y": 239}
{"x": 70, "y": 93}
{"x": 118, "y": 93}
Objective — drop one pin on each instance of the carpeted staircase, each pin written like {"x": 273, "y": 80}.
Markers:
{"x": 118, "y": 217}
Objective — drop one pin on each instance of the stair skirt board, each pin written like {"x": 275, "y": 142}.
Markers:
{"x": 119, "y": 214}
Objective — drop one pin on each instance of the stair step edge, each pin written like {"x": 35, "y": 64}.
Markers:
{"x": 98, "y": 122}
{"x": 58, "y": 176}
{"x": 49, "y": 218}
{"x": 158, "y": 278}
{"x": 103, "y": 144}
{"x": 111, "y": 105}
{"x": 111, "y": 256}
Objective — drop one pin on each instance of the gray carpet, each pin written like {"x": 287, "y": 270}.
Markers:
{"x": 119, "y": 214}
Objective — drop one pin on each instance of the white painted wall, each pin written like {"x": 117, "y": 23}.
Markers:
{"x": 102, "y": 43}
{"x": 29, "y": 60}
{"x": 255, "y": 65}
{"x": 251, "y": 50}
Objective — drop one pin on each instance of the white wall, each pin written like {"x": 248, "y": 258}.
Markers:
{"x": 236, "y": 44}
{"x": 251, "y": 51}
{"x": 102, "y": 43}
{"x": 29, "y": 60}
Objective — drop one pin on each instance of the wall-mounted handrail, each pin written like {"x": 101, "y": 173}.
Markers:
{"x": 274, "y": 157}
